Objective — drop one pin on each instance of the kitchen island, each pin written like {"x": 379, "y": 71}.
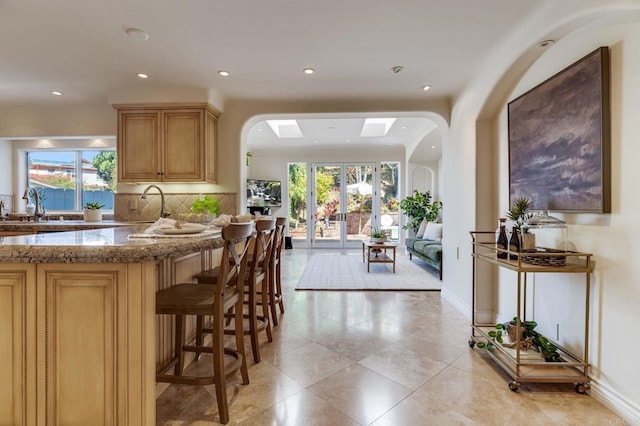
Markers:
{"x": 79, "y": 339}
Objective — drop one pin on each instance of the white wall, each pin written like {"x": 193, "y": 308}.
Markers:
{"x": 52, "y": 120}
{"x": 475, "y": 178}
{"x": 614, "y": 238}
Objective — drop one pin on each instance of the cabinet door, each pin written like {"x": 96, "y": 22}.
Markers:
{"x": 211, "y": 147}
{"x": 183, "y": 147}
{"x": 139, "y": 150}
{"x": 95, "y": 344}
{"x": 17, "y": 345}
{"x": 77, "y": 355}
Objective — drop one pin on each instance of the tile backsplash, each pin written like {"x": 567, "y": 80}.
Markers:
{"x": 8, "y": 203}
{"x": 130, "y": 207}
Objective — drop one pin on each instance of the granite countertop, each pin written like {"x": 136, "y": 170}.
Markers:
{"x": 106, "y": 245}
{"x": 57, "y": 225}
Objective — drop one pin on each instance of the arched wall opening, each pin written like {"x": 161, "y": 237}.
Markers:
{"x": 400, "y": 154}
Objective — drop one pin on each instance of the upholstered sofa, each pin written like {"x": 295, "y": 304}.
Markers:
{"x": 427, "y": 245}
{"x": 428, "y": 251}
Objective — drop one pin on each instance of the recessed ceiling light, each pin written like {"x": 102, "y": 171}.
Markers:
{"x": 308, "y": 71}
{"x": 57, "y": 93}
{"x": 433, "y": 147}
{"x": 223, "y": 73}
{"x": 404, "y": 127}
{"x": 426, "y": 87}
{"x": 142, "y": 75}
{"x": 137, "y": 34}
{"x": 259, "y": 129}
{"x": 545, "y": 43}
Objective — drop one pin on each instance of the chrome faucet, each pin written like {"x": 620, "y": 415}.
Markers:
{"x": 144, "y": 197}
{"x": 37, "y": 214}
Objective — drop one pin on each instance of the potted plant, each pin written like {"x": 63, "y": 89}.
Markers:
{"x": 519, "y": 214}
{"x": 419, "y": 207}
{"x": 378, "y": 236}
{"x": 206, "y": 208}
{"x": 93, "y": 212}
{"x": 529, "y": 339}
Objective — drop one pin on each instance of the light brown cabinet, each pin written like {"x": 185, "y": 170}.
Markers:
{"x": 76, "y": 343}
{"x": 167, "y": 143}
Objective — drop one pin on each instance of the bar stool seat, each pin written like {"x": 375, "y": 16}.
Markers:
{"x": 226, "y": 294}
{"x": 256, "y": 278}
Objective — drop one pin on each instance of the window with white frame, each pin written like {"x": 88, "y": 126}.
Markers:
{"x": 68, "y": 179}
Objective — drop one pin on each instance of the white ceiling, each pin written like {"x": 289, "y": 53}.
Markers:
{"x": 80, "y": 47}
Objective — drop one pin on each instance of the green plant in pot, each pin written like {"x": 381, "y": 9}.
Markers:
{"x": 529, "y": 338}
{"x": 93, "y": 206}
{"x": 519, "y": 213}
{"x": 205, "y": 205}
{"x": 378, "y": 235}
{"x": 419, "y": 207}
{"x": 93, "y": 211}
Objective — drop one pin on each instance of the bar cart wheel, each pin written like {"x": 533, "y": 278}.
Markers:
{"x": 514, "y": 386}
{"x": 582, "y": 388}
{"x": 472, "y": 343}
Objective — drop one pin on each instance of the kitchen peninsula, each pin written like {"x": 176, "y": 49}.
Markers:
{"x": 79, "y": 339}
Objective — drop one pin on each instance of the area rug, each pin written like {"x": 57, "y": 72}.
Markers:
{"x": 349, "y": 272}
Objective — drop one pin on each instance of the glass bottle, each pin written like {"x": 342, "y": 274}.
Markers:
{"x": 502, "y": 243}
{"x": 514, "y": 244}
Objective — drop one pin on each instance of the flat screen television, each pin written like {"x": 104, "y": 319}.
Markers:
{"x": 262, "y": 192}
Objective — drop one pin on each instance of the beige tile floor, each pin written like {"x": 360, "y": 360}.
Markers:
{"x": 381, "y": 358}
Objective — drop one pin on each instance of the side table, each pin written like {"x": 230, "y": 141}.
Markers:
{"x": 377, "y": 253}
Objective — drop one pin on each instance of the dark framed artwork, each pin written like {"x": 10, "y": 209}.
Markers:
{"x": 559, "y": 139}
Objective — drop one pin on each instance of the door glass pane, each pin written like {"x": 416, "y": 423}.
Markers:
{"x": 99, "y": 177}
{"x": 359, "y": 187}
{"x": 298, "y": 201}
{"x": 389, "y": 195}
{"x": 53, "y": 175}
{"x": 327, "y": 224}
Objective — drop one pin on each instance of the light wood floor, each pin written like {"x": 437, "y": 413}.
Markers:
{"x": 383, "y": 358}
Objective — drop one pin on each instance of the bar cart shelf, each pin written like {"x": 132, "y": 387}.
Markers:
{"x": 528, "y": 366}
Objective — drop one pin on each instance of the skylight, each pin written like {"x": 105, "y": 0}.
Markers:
{"x": 285, "y": 129}
{"x": 376, "y": 127}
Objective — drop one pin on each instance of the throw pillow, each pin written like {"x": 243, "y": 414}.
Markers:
{"x": 433, "y": 232}
{"x": 422, "y": 228}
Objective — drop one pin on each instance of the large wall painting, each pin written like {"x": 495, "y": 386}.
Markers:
{"x": 559, "y": 139}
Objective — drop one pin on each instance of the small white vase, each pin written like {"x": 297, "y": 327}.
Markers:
{"x": 92, "y": 215}
{"x": 528, "y": 241}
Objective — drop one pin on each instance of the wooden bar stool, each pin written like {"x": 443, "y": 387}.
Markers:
{"x": 256, "y": 278}
{"x": 275, "y": 280}
{"x": 214, "y": 300}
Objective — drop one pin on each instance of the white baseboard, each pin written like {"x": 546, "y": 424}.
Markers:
{"x": 629, "y": 413}
{"x": 456, "y": 302}
{"x": 485, "y": 317}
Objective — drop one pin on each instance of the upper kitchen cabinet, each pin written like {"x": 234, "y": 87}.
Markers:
{"x": 167, "y": 143}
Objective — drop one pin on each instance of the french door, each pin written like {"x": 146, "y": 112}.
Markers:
{"x": 343, "y": 202}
